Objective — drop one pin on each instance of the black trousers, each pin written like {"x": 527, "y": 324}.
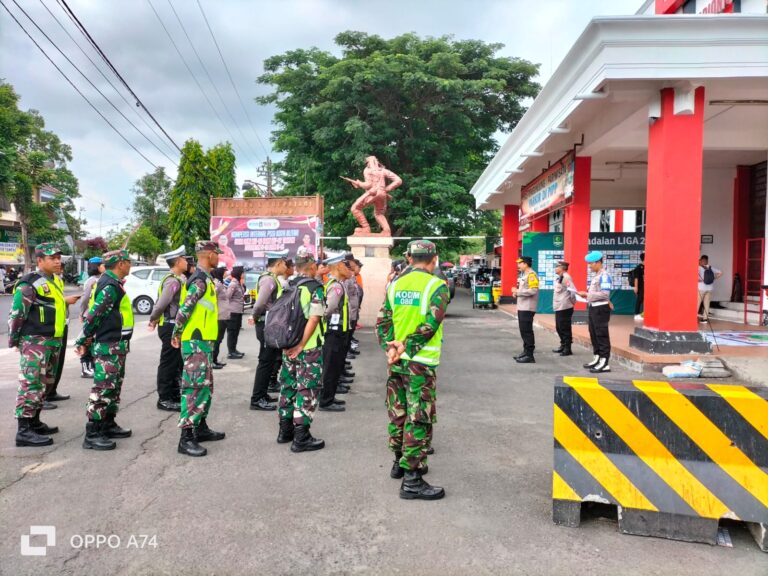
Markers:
{"x": 599, "y": 317}
{"x": 268, "y": 357}
{"x": 60, "y": 361}
{"x": 563, "y": 326}
{"x": 233, "y": 331}
{"x": 334, "y": 353}
{"x": 222, "y": 330}
{"x": 525, "y": 321}
{"x": 639, "y": 298}
{"x": 171, "y": 365}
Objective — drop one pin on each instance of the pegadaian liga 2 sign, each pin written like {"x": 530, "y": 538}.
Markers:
{"x": 551, "y": 190}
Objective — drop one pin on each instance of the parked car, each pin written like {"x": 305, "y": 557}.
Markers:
{"x": 142, "y": 285}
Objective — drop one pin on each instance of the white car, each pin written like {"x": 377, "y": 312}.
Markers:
{"x": 142, "y": 285}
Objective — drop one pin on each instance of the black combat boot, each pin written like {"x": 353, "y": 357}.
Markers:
{"x": 205, "y": 434}
{"x": 559, "y": 350}
{"x": 285, "y": 434}
{"x": 188, "y": 443}
{"x": 521, "y": 355}
{"x": 415, "y": 488}
{"x": 95, "y": 438}
{"x": 303, "y": 441}
{"x": 113, "y": 430}
{"x": 566, "y": 351}
{"x": 527, "y": 359}
{"x": 41, "y": 427}
{"x": 397, "y": 472}
{"x": 26, "y": 435}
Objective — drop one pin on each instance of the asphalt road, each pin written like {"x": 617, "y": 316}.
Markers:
{"x": 253, "y": 507}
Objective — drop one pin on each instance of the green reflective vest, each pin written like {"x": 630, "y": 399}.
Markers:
{"x": 203, "y": 323}
{"x": 48, "y": 314}
{"x": 118, "y": 324}
{"x": 163, "y": 318}
{"x": 305, "y": 296}
{"x": 409, "y": 297}
{"x": 338, "y": 322}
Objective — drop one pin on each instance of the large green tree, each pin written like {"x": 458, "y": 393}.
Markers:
{"x": 221, "y": 164}
{"x": 189, "y": 209}
{"x": 151, "y": 195}
{"x": 31, "y": 157}
{"x": 428, "y": 108}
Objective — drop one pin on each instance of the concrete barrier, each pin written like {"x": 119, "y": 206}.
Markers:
{"x": 673, "y": 458}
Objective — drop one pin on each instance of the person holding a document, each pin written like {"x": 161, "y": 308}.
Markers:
{"x": 599, "y": 303}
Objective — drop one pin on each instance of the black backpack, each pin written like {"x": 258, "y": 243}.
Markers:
{"x": 285, "y": 322}
{"x": 709, "y": 275}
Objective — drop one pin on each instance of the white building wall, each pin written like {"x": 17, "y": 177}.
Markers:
{"x": 717, "y": 221}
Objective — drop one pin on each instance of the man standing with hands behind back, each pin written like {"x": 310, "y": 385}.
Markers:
{"x": 527, "y": 292}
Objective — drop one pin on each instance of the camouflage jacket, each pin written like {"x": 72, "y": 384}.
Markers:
{"x": 385, "y": 329}
{"x": 100, "y": 309}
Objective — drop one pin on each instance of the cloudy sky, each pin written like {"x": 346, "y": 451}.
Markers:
{"x": 248, "y": 31}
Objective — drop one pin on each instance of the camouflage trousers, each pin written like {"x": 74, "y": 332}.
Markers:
{"x": 37, "y": 373}
{"x": 411, "y": 395}
{"x": 109, "y": 361}
{"x": 299, "y": 380}
{"x": 196, "y": 381}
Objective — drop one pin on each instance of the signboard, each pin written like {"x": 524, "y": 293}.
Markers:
{"x": 11, "y": 253}
{"x": 621, "y": 252}
{"x": 550, "y": 191}
{"x": 244, "y": 240}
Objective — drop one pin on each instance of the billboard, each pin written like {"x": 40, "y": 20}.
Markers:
{"x": 244, "y": 240}
{"x": 551, "y": 190}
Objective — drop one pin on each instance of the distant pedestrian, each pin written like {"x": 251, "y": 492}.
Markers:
{"x": 638, "y": 286}
{"x": 236, "y": 302}
{"x": 707, "y": 277}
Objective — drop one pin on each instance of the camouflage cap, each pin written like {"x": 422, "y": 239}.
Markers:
{"x": 207, "y": 246}
{"x": 115, "y": 256}
{"x": 47, "y": 249}
{"x": 422, "y": 248}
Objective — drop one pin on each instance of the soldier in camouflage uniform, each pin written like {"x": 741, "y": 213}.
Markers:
{"x": 302, "y": 369}
{"x": 410, "y": 331}
{"x": 107, "y": 330}
{"x": 196, "y": 333}
{"x": 36, "y": 327}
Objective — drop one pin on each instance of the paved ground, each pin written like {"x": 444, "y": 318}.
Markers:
{"x": 253, "y": 507}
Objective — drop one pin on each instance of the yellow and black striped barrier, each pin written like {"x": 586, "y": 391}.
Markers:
{"x": 673, "y": 458}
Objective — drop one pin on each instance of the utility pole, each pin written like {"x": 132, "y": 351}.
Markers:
{"x": 101, "y": 211}
{"x": 266, "y": 170}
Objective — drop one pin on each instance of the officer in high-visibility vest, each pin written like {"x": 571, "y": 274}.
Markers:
{"x": 527, "y": 293}
{"x": 269, "y": 290}
{"x": 36, "y": 327}
{"x": 336, "y": 323}
{"x": 95, "y": 270}
{"x": 163, "y": 316}
{"x": 410, "y": 330}
{"x": 107, "y": 329}
{"x": 196, "y": 332}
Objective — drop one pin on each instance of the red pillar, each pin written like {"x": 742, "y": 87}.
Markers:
{"x": 618, "y": 221}
{"x": 675, "y": 156}
{"x": 510, "y": 233}
{"x": 577, "y": 224}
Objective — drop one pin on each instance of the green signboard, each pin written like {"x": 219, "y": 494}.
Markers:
{"x": 621, "y": 255}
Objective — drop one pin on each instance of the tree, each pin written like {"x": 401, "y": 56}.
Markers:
{"x": 427, "y": 108}
{"x": 36, "y": 157}
{"x": 116, "y": 237}
{"x": 144, "y": 243}
{"x": 95, "y": 247}
{"x": 221, "y": 163}
{"x": 152, "y": 193}
{"x": 189, "y": 210}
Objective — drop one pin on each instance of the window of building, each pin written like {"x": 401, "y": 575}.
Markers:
{"x": 556, "y": 221}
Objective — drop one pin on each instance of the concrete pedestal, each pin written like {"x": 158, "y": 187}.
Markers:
{"x": 373, "y": 252}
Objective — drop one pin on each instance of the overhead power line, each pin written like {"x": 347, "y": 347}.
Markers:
{"x": 106, "y": 78}
{"x": 194, "y": 77}
{"x": 93, "y": 43}
{"x": 63, "y": 74}
{"x": 210, "y": 79}
{"x": 91, "y": 83}
{"x": 231, "y": 81}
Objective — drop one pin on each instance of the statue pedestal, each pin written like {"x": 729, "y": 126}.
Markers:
{"x": 373, "y": 252}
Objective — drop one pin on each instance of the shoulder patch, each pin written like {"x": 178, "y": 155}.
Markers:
{"x": 533, "y": 280}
